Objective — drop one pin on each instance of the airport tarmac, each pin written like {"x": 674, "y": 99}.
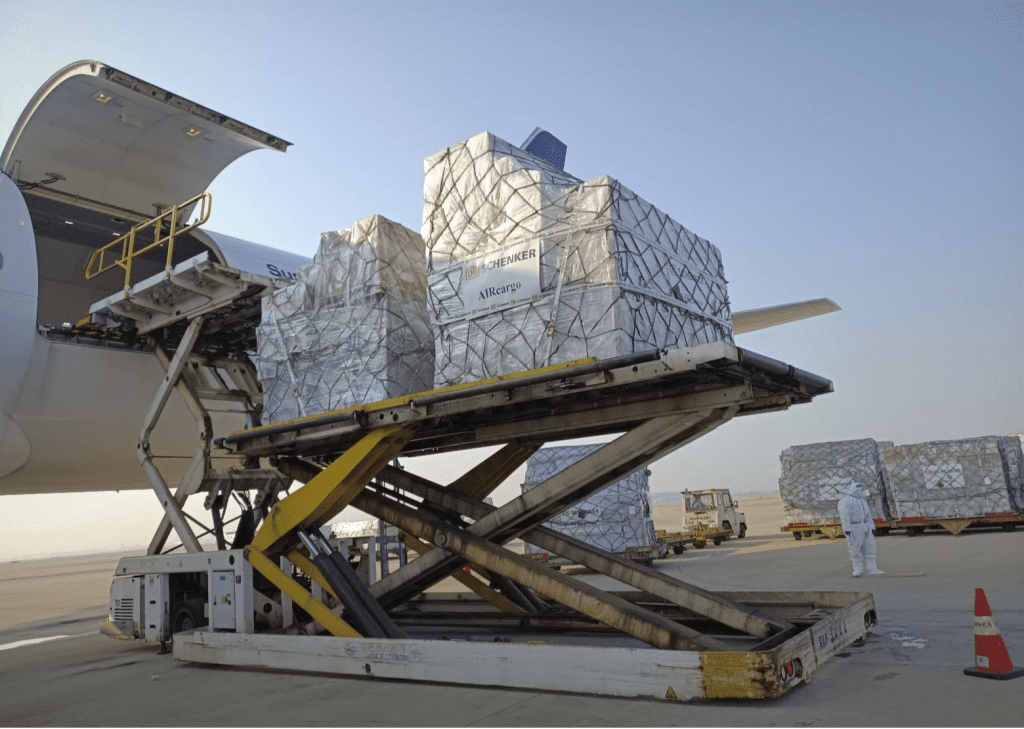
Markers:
{"x": 56, "y": 670}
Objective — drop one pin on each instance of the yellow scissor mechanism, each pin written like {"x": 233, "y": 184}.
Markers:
{"x": 125, "y": 246}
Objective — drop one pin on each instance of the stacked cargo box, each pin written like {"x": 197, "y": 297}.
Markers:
{"x": 613, "y": 519}
{"x": 953, "y": 479}
{"x": 528, "y": 266}
{"x": 353, "y": 328}
{"x": 816, "y": 476}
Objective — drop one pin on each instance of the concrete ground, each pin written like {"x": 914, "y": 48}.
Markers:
{"x": 908, "y": 673}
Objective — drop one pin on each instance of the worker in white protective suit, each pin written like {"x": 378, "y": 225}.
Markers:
{"x": 859, "y": 529}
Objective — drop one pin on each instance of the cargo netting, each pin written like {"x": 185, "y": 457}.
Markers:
{"x": 814, "y": 478}
{"x": 353, "y": 328}
{"x": 529, "y": 266}
{"x": 1011, "y": 447}
{"x": 613, "y": 519}
{"x": 950, "y": 479}
{"x": 954, "y": 479}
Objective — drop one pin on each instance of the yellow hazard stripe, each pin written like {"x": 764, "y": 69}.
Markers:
{"x": 406, "y": 399}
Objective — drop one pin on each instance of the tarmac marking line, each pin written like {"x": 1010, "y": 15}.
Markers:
{"x": 34, "y": 641}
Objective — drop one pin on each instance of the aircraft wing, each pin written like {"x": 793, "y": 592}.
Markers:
{"x": 753, "y": 319}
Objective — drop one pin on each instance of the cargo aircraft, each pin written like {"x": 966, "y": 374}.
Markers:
{"x": 95, "y": 152}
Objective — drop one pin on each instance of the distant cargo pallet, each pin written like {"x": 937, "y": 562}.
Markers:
{"x": 913, "y": 525}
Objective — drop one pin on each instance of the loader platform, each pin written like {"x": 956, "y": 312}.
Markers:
{"x": 653, "y": 403}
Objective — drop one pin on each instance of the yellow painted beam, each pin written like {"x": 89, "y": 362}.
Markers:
{"x": 406, "y": 399}
{"x": 495, "y": 598}
{"x": 331, "y": 490}
{"x": 317, "y": 610}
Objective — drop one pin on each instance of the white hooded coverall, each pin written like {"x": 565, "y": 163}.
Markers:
{"x": 859, "y": 528}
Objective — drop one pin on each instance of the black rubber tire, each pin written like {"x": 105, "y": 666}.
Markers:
{"x": 911, "y": 531}
{"x": 678, "y": 549}
{"x": 717, "y": 541}
{"x": 798, "y": 536}
{"x": 743, "y": 530}
{"x": 881, "y": 531}
{"x": 188, "y": 615}
{"x": 700, "y": 545}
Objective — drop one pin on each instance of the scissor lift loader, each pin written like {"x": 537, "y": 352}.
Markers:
{"x": 520, "y": 624}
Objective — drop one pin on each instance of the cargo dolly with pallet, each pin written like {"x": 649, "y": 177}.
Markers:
{"x": 698, "y": 538}
{"x": 914, "y": 525}
{"x": 253, "y": 602}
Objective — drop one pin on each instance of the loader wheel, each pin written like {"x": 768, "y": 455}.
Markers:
{"x": 743, "y": 530}
{"x": 188, "y": 615}
{"x": 700, "y": 545}
{"x": 717, "y": 541}
{"x": 678, "y": 549}
{"x": 798, "y": 536}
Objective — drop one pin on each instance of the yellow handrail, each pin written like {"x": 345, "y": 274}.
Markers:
{"x": 96, "y": 264}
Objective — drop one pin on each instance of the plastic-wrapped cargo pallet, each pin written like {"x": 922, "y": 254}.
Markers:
{"x": 617, "y": 517}
{"x": 816, "y": 476}
{"x": 528, "y": 266}
{"x": 353, "y": 328}
{"x": 950, "y": 479}
{"x": 1011, "y": 448}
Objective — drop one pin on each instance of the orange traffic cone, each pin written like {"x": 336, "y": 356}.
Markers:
{"x": 991, "y": 659}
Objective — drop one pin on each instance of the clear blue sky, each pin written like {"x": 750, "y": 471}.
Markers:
{"x": 868, "y": 152}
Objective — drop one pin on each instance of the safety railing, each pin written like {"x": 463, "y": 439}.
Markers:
{"x": 125, "y": 246}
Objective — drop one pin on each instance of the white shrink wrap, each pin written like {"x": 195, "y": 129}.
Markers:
{"x": 951, "y": 479}
{"x": 617, "y": 517}
{"x": 815, "y": 476}
{"x": 528, "y": 266}
{"x": 1011, "y": 448}
{"x": 353, "y": 328}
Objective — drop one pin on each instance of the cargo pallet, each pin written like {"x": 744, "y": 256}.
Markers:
{"x": 1007, "y": 521}
{"x": 664, "y": 639}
